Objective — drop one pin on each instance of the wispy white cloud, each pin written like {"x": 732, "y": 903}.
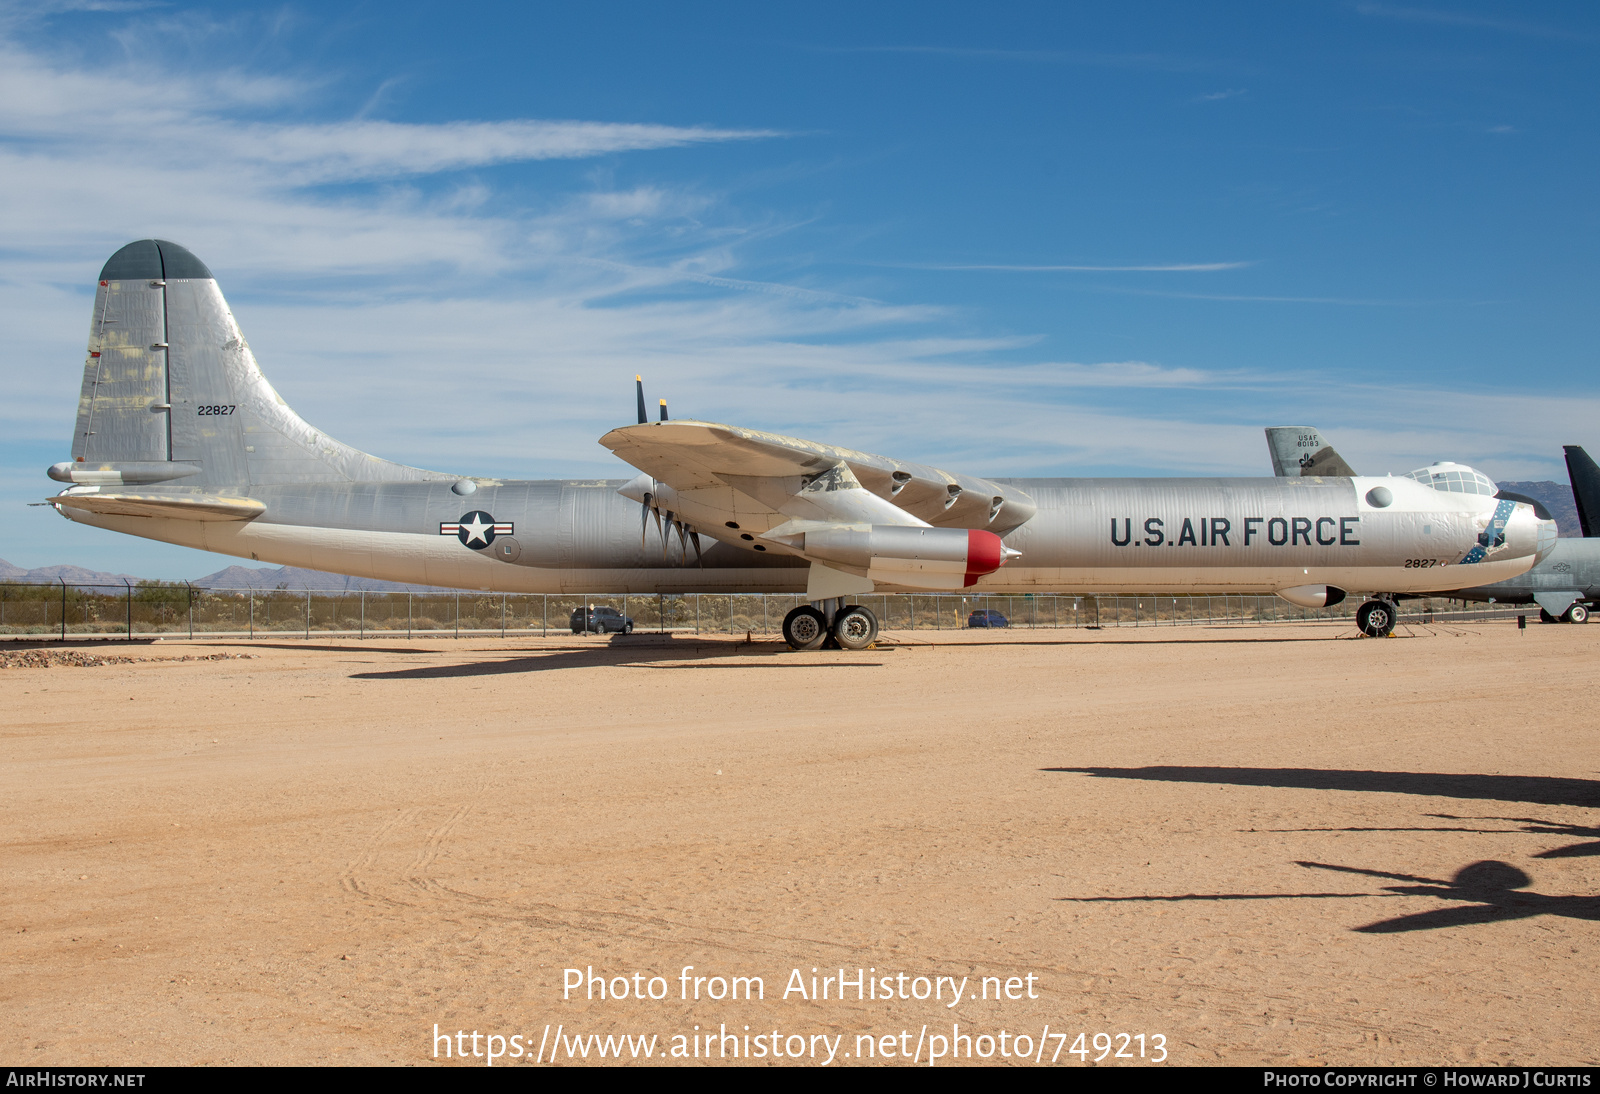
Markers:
{"x": 47, "y": 110}
{"x": 1470, "y": 20}
{"x": 1086, "y": 58}
{"x": 1218, "y": 96}
{"x": 1176, "y": 267}
{"x": 1245, "y": 298}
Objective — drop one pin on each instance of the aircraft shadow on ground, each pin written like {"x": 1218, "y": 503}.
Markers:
{"x": 314, "y": 646}
{"x": 1488, "y": 891}
{"x": 1528, "y": 824}
{"x": 664, "y": 657}
{"x": 1134, "y": 638}
{"x": 1530, "y": 789}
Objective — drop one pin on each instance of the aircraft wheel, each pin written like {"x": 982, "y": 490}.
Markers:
{"x": 1375, "y": 618}
{"x": 855, "y": 628}
{"x": 1546, "y": 617}
{"x": 804, "y": 628}
{"x": 1577, "y": 614}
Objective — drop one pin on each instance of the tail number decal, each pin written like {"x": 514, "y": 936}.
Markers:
{"x": 216, "y": 411}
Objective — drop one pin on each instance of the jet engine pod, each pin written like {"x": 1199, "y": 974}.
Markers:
{"x": 929, "y": 558}
{"x": 1313, "y": 596}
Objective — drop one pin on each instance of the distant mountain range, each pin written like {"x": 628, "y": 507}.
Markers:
{"x": 72, "y": 575}
{"x": 292, "y": 577}
{"x": 1556, "y": 497}
{"x": 234, "y": 577}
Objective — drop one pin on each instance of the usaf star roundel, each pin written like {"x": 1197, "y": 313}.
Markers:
{"x": 477, "y": 529}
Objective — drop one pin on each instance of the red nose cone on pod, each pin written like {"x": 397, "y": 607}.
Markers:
{"x": 983, "y": 554}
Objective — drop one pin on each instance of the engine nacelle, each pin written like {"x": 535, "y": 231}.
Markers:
{"x": 1313, "y": 596}
{"x": 928, "y": 558}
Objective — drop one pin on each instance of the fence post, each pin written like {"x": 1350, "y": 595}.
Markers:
{"x": 63, "y": 609}
{"x": 544, "y": 626}
{"x": 696, "y": 613}
{"x": 130, "y": 609}
{"x": 252, "y": 612}
{"x": 408, "y": 614}
{"x": 362, "y": 633}
{"x": 458, "y": 614}
{"x": 191, "y": 609}
{"x": 502, "y": 615}
{"x": 308, "y": 615}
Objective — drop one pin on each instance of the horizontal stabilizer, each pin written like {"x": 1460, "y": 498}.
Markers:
{"x": 121, "y": 474}
{"x": 181, "y": 506}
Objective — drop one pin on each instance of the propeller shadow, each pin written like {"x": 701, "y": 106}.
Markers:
{"x": 1488, "y": 892}
{"x": 1554, "y": 828}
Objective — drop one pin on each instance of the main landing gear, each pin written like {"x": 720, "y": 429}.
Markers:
{"x": 832, "y": 625}
{"x": 1376, "y": 618}
{"x": 1575, "y": 614}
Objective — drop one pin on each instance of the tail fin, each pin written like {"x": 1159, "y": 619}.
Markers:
{"x": 1585, "y": 488}
{"x": 172, "y": 392}
{"x": 1298, "y": 450}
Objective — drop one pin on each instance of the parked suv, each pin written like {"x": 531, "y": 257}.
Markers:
{"x": 600, "y": 620}
{"x": 987, "y": 617}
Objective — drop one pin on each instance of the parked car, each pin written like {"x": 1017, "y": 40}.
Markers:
{"x": 600, "y": 620}
{"x": 987, "y": 617}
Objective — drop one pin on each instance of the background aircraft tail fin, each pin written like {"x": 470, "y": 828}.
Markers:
{"x": 171, "y": 390}
{"x": 1585, "y": 488}
{"x": 1298, "y": 450}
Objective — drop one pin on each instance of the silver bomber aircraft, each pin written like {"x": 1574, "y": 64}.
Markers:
{"x": 180, "y": 438}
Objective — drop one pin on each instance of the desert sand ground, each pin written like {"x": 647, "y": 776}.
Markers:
{"x": 1257, "y": 842}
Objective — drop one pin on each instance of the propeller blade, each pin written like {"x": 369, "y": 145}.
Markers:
{"x": 644, "y": 518}
{"x": 663, "y": 410}
{"x": 694, "y": 538}
{"x": 639, "y": 380}
{"x": 683, "y": 548}
{"x": 664, "y": 529}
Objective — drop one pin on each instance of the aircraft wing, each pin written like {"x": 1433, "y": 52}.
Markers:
{"x": 691, "y": 455}
{"x": 182, "y": 506}
{"x": 859, "y": 519}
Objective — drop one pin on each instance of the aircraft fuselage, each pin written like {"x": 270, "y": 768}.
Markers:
{"x": 1089, "y": 535}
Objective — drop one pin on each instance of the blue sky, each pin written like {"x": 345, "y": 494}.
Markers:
{"x": 1052, "y": 239}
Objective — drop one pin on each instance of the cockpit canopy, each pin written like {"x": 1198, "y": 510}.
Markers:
{"x": 1455, "y": 478}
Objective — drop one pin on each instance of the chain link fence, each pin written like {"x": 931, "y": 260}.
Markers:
{"x": 159, "y": 608}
